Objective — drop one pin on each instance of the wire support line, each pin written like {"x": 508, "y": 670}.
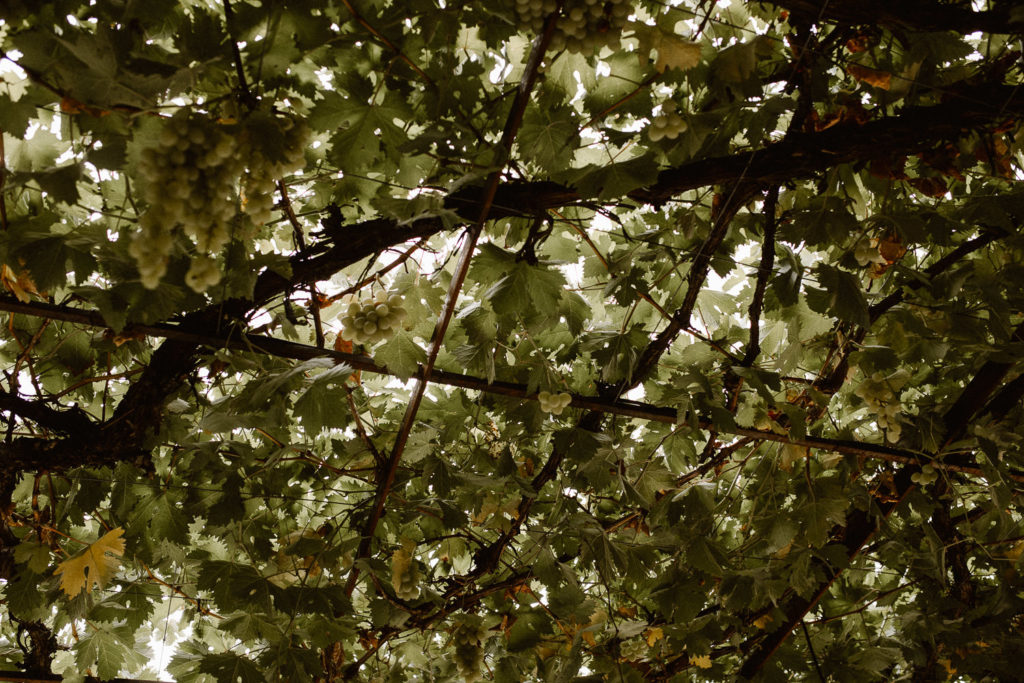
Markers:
{"x": 619, "y": 406}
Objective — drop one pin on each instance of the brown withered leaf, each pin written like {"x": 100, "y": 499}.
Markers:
{"x": 70, "y": 105}
{"x": 345, "y": 346}
{"x": 943, "y": 160}
{"x": 888, "y": 168}
{"x": 932, "y": 187}
{"x": 873, "y": 77}
{"x": 19, "y": 284}
{"x": 995, "y": 152}
{"x": 891, "y": 248}
{"x": 859, "y": 43}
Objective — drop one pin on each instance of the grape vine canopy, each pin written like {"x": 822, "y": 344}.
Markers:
{"x": 522, "y": 340}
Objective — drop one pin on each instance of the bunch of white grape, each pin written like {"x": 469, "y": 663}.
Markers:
{"x": 668, "y": 124}
{"x": 879, "y": 393}
{"x": 190, "y": 182}
{"x": 584, "y": 26}
{"x": 405, "y": 575}
{"x": 554, "y": 403}
{"x": 262, "y": 172}
{"x": 469, "y": 652}
{"x": 369, "y": 320}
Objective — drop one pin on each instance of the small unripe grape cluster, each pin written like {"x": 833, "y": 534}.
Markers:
{"x": 667, "y": 124}
{"x": 584, "y": 26}
{"x": 878, "y": 393}
{"x": 927, "y": 475}
{"x": 469, "y": 651}
{"x": 262, "y": 173}
{"x": 634, "y": 649}
{"x": 405, "y": 575}
{"x": 369, "y": 319}
{"x": 554, "y": 403}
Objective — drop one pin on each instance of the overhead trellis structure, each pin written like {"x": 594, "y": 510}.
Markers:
{"x": 284, "y": 282}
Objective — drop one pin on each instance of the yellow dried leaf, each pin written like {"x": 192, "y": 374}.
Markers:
{"x": 762, "y": 621}
{"x": 947, "y": 664}
{"x": 654, "y": 634}
{"x": 97, "y": 564}
{"x": 700, "y": 661}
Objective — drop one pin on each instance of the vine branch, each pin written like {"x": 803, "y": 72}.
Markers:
{"x": 514, "y": 121}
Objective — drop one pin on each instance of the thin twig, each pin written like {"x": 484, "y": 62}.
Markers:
{"x": 196, "y": 601}
{"x": 621, "y": 101}
{"x": 695, "y": 281}
{"x": 402, "y": 258}
{"x": 384, "y": 39}
{"x": 361, "y": 430}
{"x": 512, "y": 124}
{"x": 814, "y": 655}
{"x": 614, "y": 406}
{"x": 3, "y": 178}
{"x": 300, "y": 243}
{"x": 91, "y": 380}
{"x": 243, "y": 84}
{"x": 764, "y": 272}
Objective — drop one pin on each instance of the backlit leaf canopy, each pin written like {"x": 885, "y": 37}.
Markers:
{"x": 790, "y": 323}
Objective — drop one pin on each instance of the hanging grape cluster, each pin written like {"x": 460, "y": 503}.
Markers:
{"x": 371, "y": 319}
{"x": 668, "y": 124}
{"x": 469, "y": 636}
{"x": 405, "y": 575}
{"x": 191, "y": 181}
{"x": 263, "y": 172}
{"x": 584, "y": 26}
{"x": 554, "y": 403}
{"x": 879, "y": 393}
